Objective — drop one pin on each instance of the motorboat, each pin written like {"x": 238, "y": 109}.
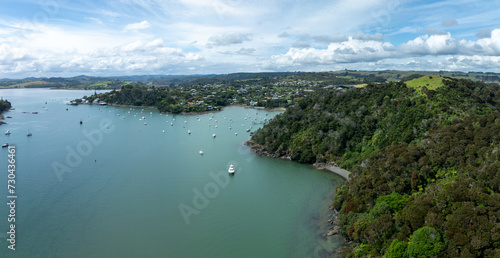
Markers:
{"x": 231, "y": 169}
{"x": 7, "y": 132}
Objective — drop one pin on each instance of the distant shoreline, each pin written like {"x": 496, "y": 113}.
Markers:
{"x": 190, "y": 113}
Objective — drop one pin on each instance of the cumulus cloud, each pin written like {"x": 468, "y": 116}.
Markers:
{"x": 228, "y": 39}
{"x": 456, "y": 53}
{"x": 137, "y": 26}
{"x": 352, "y": 50}
{"x": 449, "y": 22}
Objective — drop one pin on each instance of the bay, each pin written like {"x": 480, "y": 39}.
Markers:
{"x": 115, "y": 187}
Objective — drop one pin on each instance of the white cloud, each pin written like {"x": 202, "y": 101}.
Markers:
{"x": 229, "y": 38}
{"x": 137, "y": 26}
{"x": 456, "y": 54}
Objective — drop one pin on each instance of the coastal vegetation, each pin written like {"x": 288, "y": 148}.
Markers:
{"x": 4, "y": 105}
{"x": 424, "y": 162}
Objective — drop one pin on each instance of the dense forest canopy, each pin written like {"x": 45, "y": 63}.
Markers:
{"x": 425, "y": 164}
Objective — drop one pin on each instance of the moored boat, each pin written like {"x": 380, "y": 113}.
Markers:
{"x": 231, "y": 169}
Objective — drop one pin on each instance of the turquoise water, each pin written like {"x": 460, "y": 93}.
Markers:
{"x": 114, "y": 187}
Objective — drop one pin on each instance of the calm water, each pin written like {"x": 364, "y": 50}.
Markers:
{"x": 114, "y": 187}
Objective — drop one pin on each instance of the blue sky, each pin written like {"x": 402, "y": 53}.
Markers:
{"x": 128, "y": 37}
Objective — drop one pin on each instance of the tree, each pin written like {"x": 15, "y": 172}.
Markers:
{"x": 425, "y": 242}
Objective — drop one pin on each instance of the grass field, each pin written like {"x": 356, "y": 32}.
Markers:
{"x": 431, "y": 82}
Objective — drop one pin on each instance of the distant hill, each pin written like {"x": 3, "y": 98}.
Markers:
{"x": 333, "y": 78}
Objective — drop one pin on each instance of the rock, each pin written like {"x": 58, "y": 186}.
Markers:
{"x": 329, "y": 221}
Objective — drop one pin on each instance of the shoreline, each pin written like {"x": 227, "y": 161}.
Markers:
{"x": 330, "y": 166}
{"x": 333, "y": 167}
{"x": 190, "y": 113}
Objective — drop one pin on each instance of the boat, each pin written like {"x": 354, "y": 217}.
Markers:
{"x": 201, "y": 152}
{"x": 235, "y": 133}
{"x": 145, "y": 123}
{"x": 5, "y": 145}
{"x": 231, "y": 169}
{"x": 248, "y": 130}
{"x": 29, "y": 134}
{"x": 189, "y": 131}
{"x": 213, "y": 135}
{"x": 81, "y": 122}
{"x": 7, "y": 132}
{"x": 163, "y": 131}
{"x": 171, "y": 124}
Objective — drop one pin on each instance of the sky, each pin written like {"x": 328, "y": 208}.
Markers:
{"x": 65, "y": 38}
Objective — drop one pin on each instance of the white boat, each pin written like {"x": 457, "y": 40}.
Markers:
{"x": 231, "y": 169}
{"x": 7, "y": 132}
{"x": 171, "y": 124}
{"x": 163, "y": 131}
{"x": 213, "y": 135}
{"x": 189, "y": 131}
{"x": 248, "y": 130}
{"x": 145, "y": 123}
{"x": 29, "y": 134}
{"x": 5, "y": 145}
{"x": 235, "y": 133}
{"x": 201, "y": 152}
{"x": 215, "y": 126}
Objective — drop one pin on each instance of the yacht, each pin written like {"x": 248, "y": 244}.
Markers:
{"x": 201, "y": 152}
{"x": 7, "y": 132}
{"x": 231, "y": 169}
{"x": 189, "y": 131}
{"x": 29, "y": 134}
{"x": 213, "y": 135}
{"x": 5, "y": 145}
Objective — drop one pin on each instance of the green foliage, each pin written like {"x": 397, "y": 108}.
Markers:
{"x": 425, "y": 242}
{"x": 416, "y": 161}
{"x": 395, "y": 201}
{"x": 397, "y": 249}
{"x": 4, "y": 105}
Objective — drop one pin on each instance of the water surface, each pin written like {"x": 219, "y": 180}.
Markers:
{"x": 115, "y": 187}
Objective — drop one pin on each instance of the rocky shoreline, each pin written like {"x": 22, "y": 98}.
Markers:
{"x": 333, "y": 227}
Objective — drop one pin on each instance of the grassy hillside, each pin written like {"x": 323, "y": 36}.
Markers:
{"x": 431, "y": 82}
{"x": 424, "y": 161}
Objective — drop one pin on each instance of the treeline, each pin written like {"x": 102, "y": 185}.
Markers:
{"x": 425, "y": 164}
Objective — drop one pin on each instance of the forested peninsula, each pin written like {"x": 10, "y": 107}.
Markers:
{"x": 424, "y": 162}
